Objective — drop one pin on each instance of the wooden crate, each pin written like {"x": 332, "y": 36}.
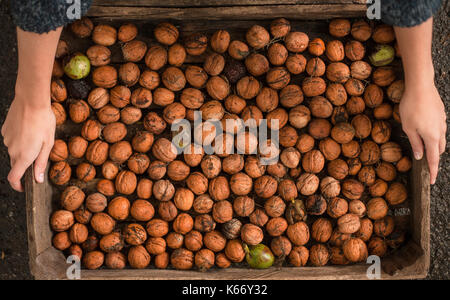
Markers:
{"x": 411, "y": 261}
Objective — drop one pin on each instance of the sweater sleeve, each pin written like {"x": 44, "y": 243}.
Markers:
{"x": 408, "y": 13}
{"x": 45, "y": 15}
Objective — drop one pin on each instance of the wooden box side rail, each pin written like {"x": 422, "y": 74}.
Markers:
{"x": 410, "y": 262}
{"x": 209, "y": 3}
{"x": 290, "y": 11}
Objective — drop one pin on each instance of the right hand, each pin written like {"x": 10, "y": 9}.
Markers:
{"x": 29, "y": 132}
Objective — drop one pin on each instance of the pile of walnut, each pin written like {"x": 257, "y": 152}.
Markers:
{"x": 328, "y": 200}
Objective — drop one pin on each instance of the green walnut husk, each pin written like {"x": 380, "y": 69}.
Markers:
{"x": 383, "y": 55}
{"x": 77, "y": 66}
{"x": 259, "y": 256}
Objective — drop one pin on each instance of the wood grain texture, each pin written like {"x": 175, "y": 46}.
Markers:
{"x": 39, "y": 208}
{"x": 307, "y": 12}
{"x": 206, "y": 3}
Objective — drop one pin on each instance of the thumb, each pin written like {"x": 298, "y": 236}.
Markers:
{"x": 40, "y": 164}
{"x": 416, "y": 144}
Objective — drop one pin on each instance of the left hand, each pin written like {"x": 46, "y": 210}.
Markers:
{"x": 424, "y": 121}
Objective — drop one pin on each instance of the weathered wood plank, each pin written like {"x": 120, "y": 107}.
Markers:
{"x": 350, "y": 272}
{"x": 39, "y": 208}
{"x": 209, "y": 3}
{"x": 306, "y": 12}
{"x": 420, "y": 184}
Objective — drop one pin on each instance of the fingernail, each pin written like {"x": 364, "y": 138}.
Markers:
{"x": 418, "y": 155}
{"x": 433, "y": 181}
{"x": 41, "y": 178}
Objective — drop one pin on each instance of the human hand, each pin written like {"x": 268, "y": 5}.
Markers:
{"x": 28, "y": 132}
{"x": 424, "y": 121}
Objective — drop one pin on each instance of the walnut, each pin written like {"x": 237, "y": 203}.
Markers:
{"x": 313, "y": 161}
{"x": 339, "y": 27}
{"x": 220, "y": 41}
{"x": 281, "y": 246}
{"x": 319, "y": 128}
{"x": 287, "y": 189}
{"x": 241, "y": 184}
{"x": 298, "y": 233}
{"x": 384, "y": 227}
{"x": 280, "y": 27}
{"x": 296, "y": 41}
{"x": 277, "y": 54}
{"x": 370, "y": 153}
{"x": 348, "y": 223}
{"x": 316, "y": 205}
{"x": 377, "y": 246}
{"x": 307, "y": 184}
{"x": 361, "y": 30}
{"x": 61, "y": 220}
{"x": 319, "y": 255}
{"x": 337, "y": 207}
{"x": 316, "y": 47}
{"x": 321, "y": 230}
{"x": 396, "y": 193}
{"x": 183, "y": 199}
{"x": 234, "y": 250}
{"x": 102, "y": 223}
{"x": 313, "y": 86}
{"x": 166, "y": 33}
{"x": 355, "y": 250}
{"x": 337, "y": 256}
{"x": 232, "y": 229}
{"x": 219, "y": 188}
{"x": 251, "y": 234}
{"x": 299, "y": 256}
{"x": 222, "y": 211}
{"x": 367, "y": 175}
{"x": 158, "y": 227}
{"x": 259, "y": 217}
{"x": 93, "y": 260}
{"x": 296, "y": 63}
{"x": 215, "y": 241}
{"x": 257, "y": 64}
{"x": 338, "y": 169}
{"x": 265, "y": 186}
{"x": 365, "y": 230}
{"x": 357, "y": 207}
{"x": 163, "y": 190}
{"x": 391, "y": 152}
{"x": 330, "y": 187}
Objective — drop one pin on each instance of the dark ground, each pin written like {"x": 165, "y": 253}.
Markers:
{"x": 13, "y": 237}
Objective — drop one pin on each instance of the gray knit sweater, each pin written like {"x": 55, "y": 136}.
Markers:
{"x": 45, "y": 15}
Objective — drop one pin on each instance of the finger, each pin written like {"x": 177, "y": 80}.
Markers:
{"x": 416, "y": 144}
{"x": 40, "y": 164}
{"x": 18, "y": 168}
{"x": 432, "y": 148}
{"x": 442, "y": 144}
